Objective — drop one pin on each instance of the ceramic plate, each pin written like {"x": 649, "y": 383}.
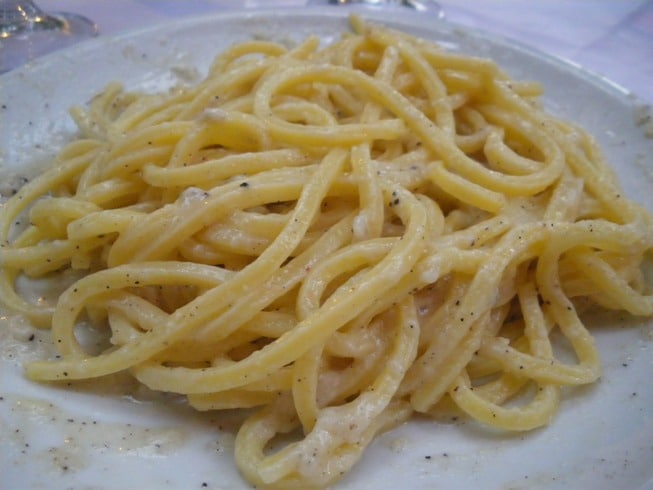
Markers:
{"x": 80, "y": 438}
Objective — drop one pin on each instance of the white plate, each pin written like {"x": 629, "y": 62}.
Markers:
{"x": 602, "y": 437}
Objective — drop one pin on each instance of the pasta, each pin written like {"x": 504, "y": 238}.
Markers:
{"x": 335, "y": 238}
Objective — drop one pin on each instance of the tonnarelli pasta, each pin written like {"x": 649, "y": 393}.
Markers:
{"x": 334, "y": 238}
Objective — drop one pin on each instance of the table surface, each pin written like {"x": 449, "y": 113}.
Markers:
{"x": 613, "y": 38}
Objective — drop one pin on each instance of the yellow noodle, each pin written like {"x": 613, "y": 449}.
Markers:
{"x": 335, "y": 238}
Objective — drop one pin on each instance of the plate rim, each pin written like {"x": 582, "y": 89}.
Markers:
{"x": 402, "y": 15}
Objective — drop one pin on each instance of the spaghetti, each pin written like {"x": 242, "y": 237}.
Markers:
{"x": 335, "y": 237}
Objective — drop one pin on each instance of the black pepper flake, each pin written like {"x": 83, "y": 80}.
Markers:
{"x": 31, "y": 337}
{"x": 244, "y": 184}
{"x": 428, "y": 456}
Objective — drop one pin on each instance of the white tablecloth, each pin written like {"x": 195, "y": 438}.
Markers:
{"x": 611, "y": 37}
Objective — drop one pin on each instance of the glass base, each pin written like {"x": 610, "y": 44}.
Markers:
{"x": 42, "y": 35}
{"x": 431, "y": 6}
